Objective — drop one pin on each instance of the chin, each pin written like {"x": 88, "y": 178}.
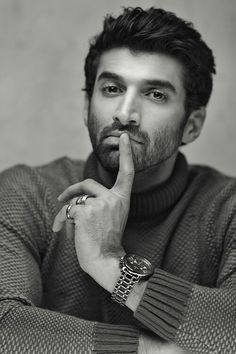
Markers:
{"x": 109, "y": 160}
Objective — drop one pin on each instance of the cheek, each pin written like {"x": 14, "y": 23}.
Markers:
{"x": 103, "y": 111}
{"x": 161, "y": 117}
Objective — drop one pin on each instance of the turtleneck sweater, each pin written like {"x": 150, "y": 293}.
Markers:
{"x": 155, "y": 201}
{"x": 186, "y": 227}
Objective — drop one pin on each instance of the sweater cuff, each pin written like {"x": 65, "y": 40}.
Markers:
{"x": 164, "y": 303}
{"x": 112, "y": 339}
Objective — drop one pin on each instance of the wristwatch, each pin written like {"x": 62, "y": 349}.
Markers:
{"x": 133, "y": 269}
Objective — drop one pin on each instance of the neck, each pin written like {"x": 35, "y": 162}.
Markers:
{"x": 143, "y": 180}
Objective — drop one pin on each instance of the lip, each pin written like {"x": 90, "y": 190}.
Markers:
{"x": 117, "y": 133}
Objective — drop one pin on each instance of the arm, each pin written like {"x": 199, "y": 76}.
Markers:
{"x": 196, "y": 318}
{"x": 98, "y": 227}
{"x": 26, "y": 212}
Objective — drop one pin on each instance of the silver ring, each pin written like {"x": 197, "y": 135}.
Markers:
{"x": 68, "y": 212}
{"x": 82, "y": 199}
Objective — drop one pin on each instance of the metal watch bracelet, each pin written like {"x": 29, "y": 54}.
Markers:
{"x": 123, "y": 287}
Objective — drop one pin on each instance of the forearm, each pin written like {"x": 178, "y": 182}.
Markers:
{"x": 30, "y": 329}
{"x": 179, "y": 311}
{"x": 107, "y": 271}
{"x": 199, "y": 319}
{"x": 148, "y": 343}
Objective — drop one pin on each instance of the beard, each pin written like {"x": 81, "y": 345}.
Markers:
{"x": 153, "y": 152}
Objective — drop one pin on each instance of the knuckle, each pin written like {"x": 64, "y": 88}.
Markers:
{"x": 130, "y": 172}
{"x": 89, "y": 180}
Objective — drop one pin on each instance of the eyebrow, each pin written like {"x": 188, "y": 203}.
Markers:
{"x": 149, "y": 82}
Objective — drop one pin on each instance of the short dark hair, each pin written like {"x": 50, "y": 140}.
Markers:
{"x": 157, "y": 31}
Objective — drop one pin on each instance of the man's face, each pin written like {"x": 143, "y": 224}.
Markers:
{"x": 143, "y": 95}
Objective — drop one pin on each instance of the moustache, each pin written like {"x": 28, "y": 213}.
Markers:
{"x": 132, "y": 130}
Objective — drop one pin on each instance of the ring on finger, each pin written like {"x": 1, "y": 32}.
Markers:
{"x": 68, "y": 211}
{"x": 82, "y": 199}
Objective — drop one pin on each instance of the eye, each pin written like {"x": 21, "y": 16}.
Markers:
{"x": 157, "y": 95}
{"x": 111, "y": 89}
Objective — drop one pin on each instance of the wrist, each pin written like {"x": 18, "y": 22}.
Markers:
{"x": 134, "y": 270}
{"x": 106, "y": 271}
{"x": 136, "y": 295}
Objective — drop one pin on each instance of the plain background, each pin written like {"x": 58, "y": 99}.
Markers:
{"x": 42, "y": 49}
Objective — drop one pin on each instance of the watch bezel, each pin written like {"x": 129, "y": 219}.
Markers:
{"x": 127, "y": 265}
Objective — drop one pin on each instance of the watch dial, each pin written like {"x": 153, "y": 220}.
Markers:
{"x": 138, "y": 265}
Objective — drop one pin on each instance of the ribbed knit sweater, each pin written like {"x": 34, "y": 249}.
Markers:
{"x": 185, "y": 227}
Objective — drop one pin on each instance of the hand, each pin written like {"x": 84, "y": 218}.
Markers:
{"x": 148, "y": 344}
{"x": 99, "y": 224}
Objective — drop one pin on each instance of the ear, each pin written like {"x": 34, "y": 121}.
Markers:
{"x": 194, "y": 125}
{"x": 86, "y": 109}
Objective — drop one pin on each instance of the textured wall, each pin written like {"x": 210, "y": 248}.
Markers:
{"x": 42, "y": 49}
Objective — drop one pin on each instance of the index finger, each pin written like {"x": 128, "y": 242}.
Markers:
{"x": 125, "y": 177}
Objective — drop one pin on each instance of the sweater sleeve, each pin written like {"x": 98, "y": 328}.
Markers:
{"x": 197, "y": 318}
{"x": 26, "y": 327}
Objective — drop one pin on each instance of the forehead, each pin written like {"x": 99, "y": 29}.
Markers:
{"x": 136, "y": 67}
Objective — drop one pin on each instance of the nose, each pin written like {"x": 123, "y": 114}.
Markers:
{"x": 128, "y": 111}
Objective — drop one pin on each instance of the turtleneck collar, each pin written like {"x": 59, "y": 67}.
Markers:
{"x": 156, "y": 200}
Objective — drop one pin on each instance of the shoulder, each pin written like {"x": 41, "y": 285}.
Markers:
{"x": 215, "y": 194}
{"x": 60, "y": 172}
{"x": 31, "y": 192}
{"x": 63, "y": 172}
{"x": 39, "y": 187}
{"x": 211, "y": 180}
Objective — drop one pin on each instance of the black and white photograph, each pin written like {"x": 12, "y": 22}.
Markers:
{"x": 117, "y": 177}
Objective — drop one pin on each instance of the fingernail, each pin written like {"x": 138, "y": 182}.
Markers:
{"x": 125, "y": 138}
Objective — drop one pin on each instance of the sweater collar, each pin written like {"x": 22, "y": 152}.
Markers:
{"x": 156, "y": 201}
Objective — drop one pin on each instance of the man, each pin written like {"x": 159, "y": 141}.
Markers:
{"x": 142, "y": 255}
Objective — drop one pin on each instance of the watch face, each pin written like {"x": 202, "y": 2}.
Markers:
{"x": 138, "y": 265}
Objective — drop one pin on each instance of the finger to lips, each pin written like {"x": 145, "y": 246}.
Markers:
{"x": 125, "y": 177}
